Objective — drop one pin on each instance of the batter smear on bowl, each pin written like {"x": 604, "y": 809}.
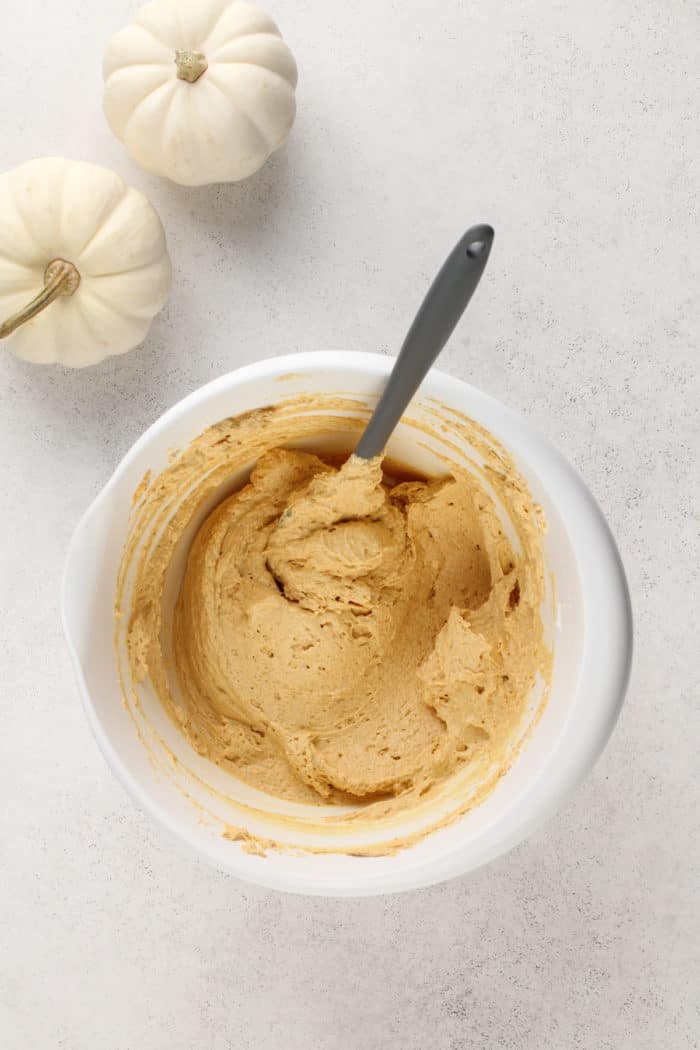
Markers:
{"x": 343, "y": 636}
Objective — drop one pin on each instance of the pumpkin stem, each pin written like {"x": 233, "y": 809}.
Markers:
{"x": 60, "y": 278}
{"x": 190, "y": 65}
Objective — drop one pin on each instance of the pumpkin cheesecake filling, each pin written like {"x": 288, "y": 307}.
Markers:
{"x": 341, "y": 636}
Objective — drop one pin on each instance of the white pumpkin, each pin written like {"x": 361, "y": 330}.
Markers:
{"x": 200, "y": 90}
{"x": 84, "y": 267}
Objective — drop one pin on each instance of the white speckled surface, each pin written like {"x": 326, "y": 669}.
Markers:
{"x": 572, "y": 128}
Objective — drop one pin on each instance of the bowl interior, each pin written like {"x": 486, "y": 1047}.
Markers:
{"x": 192, "y": 796}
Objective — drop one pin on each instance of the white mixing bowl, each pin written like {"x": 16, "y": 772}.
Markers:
{"x": 591, "y": 630}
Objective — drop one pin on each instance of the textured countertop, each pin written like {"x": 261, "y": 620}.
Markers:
{"x": 571, "y": 127}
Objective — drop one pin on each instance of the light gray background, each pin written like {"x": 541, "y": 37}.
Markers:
{"x": 572, "y": 127}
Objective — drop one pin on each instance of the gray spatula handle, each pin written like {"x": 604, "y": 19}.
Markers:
{"x": 439, "y": 313}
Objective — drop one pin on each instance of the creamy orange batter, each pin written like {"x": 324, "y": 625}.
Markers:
{"x": 339, "y": 637}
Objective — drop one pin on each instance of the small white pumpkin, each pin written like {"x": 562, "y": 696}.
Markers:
{"x": 200, "y": 90}
{"x": 84, "y": 267}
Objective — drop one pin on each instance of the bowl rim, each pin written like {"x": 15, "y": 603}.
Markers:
{"x": 605, "y": 662}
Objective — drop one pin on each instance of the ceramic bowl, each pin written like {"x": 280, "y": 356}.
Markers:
{"x": 589, "y": 626}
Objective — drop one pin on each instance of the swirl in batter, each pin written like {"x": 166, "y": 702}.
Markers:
{"x": 339, "y": 637}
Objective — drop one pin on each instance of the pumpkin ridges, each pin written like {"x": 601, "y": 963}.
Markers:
{"x": 248, "y": 20}
{"x": 14, "y": 244}
{"x": 29, "y": 200}
{"x": 120, "y": 248}
{"x": 24, "y": 222}
{"x": 238, "y": 95}
{"x": 37, "y": 341}
{"x": 239, "y": 63}
{"x": 236, "y": 107}
{"x": 207, "y": 111}
{"x": 214, "y": 28}
{"x": 156, "y": 291}
{"x": 119, "y": 117}
{"x": 128, "y": 67}
{"x": 29, "y": 268}
{"x": 261, "y": 50}
{"x": 62, "y": 229}
{"x": 162, "y": 22}
{"x": 170, "y": 124}
{"x": 104, "y": 218}
{"x": 196, "y": 20}
{"x": 79, "y": 216}
{"x": 127, "y": 41}
{"x": 133, "y": 329}
{"x": 136, "y": 115}
{"x": 155, "y": 261}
